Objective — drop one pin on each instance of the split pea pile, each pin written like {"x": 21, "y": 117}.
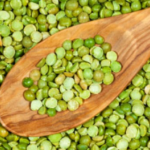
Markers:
{"x": 124, "y": 124}
{"x": 70, "y": 75}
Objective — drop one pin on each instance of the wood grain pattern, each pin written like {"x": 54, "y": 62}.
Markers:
{"x": 129, "y": 36}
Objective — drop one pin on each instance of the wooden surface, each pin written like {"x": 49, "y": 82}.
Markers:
{"x": 129, "y": 36}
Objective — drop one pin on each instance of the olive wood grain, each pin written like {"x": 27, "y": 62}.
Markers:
{"x": 129, "y": 36}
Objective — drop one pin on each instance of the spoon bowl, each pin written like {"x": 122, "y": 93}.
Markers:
{"x": 129, "y": 36}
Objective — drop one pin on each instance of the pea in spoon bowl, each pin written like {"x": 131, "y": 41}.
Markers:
{"x": 129, "y": 36}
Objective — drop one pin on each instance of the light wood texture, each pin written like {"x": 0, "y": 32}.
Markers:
{"x": 129, "y": 36}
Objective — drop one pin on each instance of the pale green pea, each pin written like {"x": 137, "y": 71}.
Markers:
{"x": 55, "y": 2}
{"x": 13, "y": 144}
{"x": 68, "y": 66}
{"x": 68, "y": 83}
{"x": 124, "y": 94}
{"x": 60, "y": 79}
{"x": 60, "y": 52}
{"x": 98, "y": 138}
{"x": 109, "y": 5}
{"x": 36, "y": 36}
{"x": 84, "y": 65}
{"x": 36, "y": 104}
{"x": 85, "y": 94}
{"x": 108, "y": 78}
{"x": 46, "y": 145}
{"x": 106, "y": 69}
{"x": 60, "y": 27}
{"x": 145, "y": 148}
{"x": 53, "y": 91}
{"x": 111, "y": 55}
{"x": 53, "y": 31}
{"x": 76, "y": 59}
{"x": 75, "y": 53}
{"x": 116, "y": 138}
{"x": 95, "y": 64}
{"x": 12, "y": 16}
{"x": 114, "y": 104}
{"x": 4, "y": 30}
{"x": 41, "y": 63}
{"x": 42, "y": 3}
{"x": 87, "y": 9}
{"x": 4, "y": 15}
{"x": 58, "y": 96}
{"x": 79, "y": 100}
{"x": 15, "y": 4}
{"x": 143, "y": 130}
{"x": 82, "y": 131}
{"x": 83, "y": 51}
{"x": 146, "y": 67}
{"x": 131, "y": 131}
{"x": 68, "y": 95}
{"x": 74, "y": 68}
{"x": 65, "y": 143}
{"x": 7, "y": 41}
{"x": 88, "y": 73}
{"x": 101, "y": 143}
{"x": 80, "y": 74}
{"x": 116, "y": 13}
{"x": 97, "y": 52}
{"x": 42, "y": 110}
{"x": 135, "y": 95}
{"x": 137, "y": 80}
{"x": 17, "y": 25}
{"x": 126, "y": 138}
{"x": 67, "y": 44}
{"x": 115, "y": 66}
{"x": 62, "y": 89}
{"x": 143, "y": 121}
{"x": 95, "y": 88}
{"x": 138, "y": 109}
{"x": 112, "y": 148}
{"x": 113, "y": 118}
{"x": 57, "y": 64}
{"x": 51, "y": 59}
{"x": 122, "y": 144}
{"x": 9, "y": 52}
{"x": 116, "y": 6}
{"x": 45, "y": 35}
{"x": 51, "y": 103}
{"x": 73, "y": 105}
{"x": 44, "y": 69}
{"x": 94, "y": 147}
{"x": 17, "y": 36}
{"x": 105, "y": 62}
{"x": 33, "y": 6}
{"x": 43, "y": 11}
{"x": 122, "y": 122}
{"x": 39, "y": 94}
{"x": 60, "y": 15}
{"x": 51, "y": 18}
{"x": 29, "y": 29}
{"x": 77, "y": 43}
{"x": 147, "y": 100}
{"x": 92, "y": 131}
{"x": 147, "y": 89}
{"x": 55, "y": 138}
{"x": 88, "y": 58}
{"x": 58, "y": 108}
{"x": 32, "y": 147}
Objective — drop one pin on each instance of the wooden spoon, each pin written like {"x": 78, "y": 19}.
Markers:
{"x": 129, "y": 36}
